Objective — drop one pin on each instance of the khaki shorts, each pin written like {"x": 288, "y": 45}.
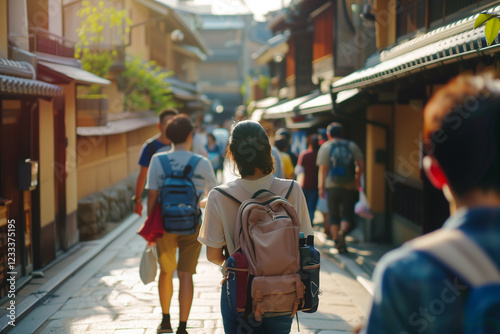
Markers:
{"x": 189, "y": 251}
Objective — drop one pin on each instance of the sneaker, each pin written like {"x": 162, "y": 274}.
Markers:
{"x": 341, "y": 248}
{"x": 340, "y": 243}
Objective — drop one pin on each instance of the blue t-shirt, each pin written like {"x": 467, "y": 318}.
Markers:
{"x": 414, "y": 293}
{"x": 149, "y": 148}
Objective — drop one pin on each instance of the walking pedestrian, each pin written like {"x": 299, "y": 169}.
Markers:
{"x": 180, "y": 131}
{"x": 250, "y": 151}
{"x": 285, "y": 134}
{"x": 278, "y": 163}
{"x": 307, "y": 173}
{"x": 415, "y": 292}
{"x": 213, "y": 150}
{"x": 341, "y": 165}
{"x": 281, "y": 144}
{"x": 158, "y": 143}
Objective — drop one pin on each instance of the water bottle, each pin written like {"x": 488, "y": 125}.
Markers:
{"x": 314, "y": 254}
{"x": 303, "y": 250}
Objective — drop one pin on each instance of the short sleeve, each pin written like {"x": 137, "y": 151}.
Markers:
{"x": 212, "y": 230}
{"x": 204, "y": 176}
{"x": 299, "y": 201}
{"x": 155, "y": 171}
{"x": 147, "y": 152}
{"x": 356, "y": 151}
{"x": 323, "y": 155}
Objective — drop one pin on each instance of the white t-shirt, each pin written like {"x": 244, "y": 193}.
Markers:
{"x": 203, "y": 177}
{"x": 219, "y": 219}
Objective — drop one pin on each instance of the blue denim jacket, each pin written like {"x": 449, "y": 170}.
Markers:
{"x": 415, "y": 294}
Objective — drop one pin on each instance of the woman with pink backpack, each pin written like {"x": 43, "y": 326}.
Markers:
{"x": 250, "y": 152}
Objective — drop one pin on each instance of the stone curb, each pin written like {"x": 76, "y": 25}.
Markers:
{"x": 38, "y": 296}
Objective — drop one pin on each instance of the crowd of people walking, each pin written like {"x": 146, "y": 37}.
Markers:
{"x": 325, "y": 177}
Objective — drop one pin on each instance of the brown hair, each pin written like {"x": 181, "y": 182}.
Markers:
{"x": 166, "y": 112}
{"x": 179, "y": 128}
{"x": 249, "y": 148}
{"x": 462, "y": 131}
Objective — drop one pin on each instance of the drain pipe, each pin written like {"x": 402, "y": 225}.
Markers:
{"x": 388, "y": 216}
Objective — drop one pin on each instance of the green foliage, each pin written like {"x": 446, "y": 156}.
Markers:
{"x": 89, "y": 48}
{"x": 93, "y": 96}
{"x": 491, "y": 22}
{"x": 264, "y": 82}
{"x": 146, "y": 88}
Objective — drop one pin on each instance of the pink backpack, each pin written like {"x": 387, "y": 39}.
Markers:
{"x": 267, "y": 234}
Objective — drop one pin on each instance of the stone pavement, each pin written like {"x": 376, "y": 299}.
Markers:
{"x": 107, "y": 296}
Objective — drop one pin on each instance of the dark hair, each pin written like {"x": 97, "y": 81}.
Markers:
{"x": 179, "y": 128}
{"x": 249, "y": 148}
{"x": 166, "y": 112}
{"x": 283, "y": 133}
{"x": 335, "y": 130}
{"x": 281, "y": 144}
{"x": 462, "y": 131}
{"x": 313, "y": 140}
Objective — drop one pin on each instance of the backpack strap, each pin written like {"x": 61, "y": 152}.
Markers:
{"x": 165, "y": 163}
{"x": 223, "y": 192}
{"x": 191, "y": 165}
{"x": 461, "y": 254}
{"x": 289, "y": 190}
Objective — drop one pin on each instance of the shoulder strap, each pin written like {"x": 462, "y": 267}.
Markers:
{"x": 165, "y": 163}
{"x": 191, "y": 165}
{"x": 461, "y": 254}
{"x": 289, "y": 189}
{"x": 227, "y": 195}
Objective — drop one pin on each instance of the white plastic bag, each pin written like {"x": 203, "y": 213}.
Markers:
{"x": 362, "y": 208}
{"x": 148, "y": 265}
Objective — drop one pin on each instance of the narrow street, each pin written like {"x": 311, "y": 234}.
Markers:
{"x": 107, "y": 296}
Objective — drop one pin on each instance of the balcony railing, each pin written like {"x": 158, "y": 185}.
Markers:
{"x": 42, "y": 40}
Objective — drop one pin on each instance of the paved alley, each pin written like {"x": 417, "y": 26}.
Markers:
{"x": 107, "y": 296}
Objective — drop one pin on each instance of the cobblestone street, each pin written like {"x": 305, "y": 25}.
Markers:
{"x": 107, "y": 296}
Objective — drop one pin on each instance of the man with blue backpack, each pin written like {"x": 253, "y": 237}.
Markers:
{"x": 176, "y": 181}
{"x": 341, "y": 165}
{"x": 448, "y": 281}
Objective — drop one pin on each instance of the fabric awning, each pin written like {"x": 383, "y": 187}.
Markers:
{"x": 14, "y": 85}
{"x": 306, "y": 121}
{"x": 74, "y": 73}
{"x": 264, "y": 103}
{"x": 257, "y": 114}
{"x": 424, "y": 52}
{"x": 317, "y": 104}
{"x": 287, "y": 109}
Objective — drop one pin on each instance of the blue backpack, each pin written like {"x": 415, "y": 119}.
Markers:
{"x": 178, "y": 198}
{"x": 464, "y": 257}
{"x": 342, "y": 164}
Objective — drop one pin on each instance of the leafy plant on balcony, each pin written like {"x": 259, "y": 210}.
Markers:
{"x": 95, "y": 57}
{"x": 491, "y": 22}
{"x": 145, "y": 86}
